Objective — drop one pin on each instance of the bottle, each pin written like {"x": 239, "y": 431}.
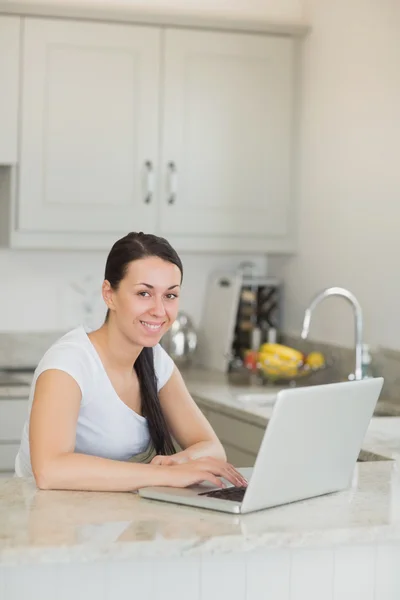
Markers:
{"x": 366, "y": 361}
{"x": 256, "y": 339}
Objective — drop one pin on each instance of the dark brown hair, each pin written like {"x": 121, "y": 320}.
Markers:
{"x": 135, "y": 246}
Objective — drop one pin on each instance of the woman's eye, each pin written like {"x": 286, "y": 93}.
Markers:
{"x": 171, "y": 296}
{"x": 143, "y": 294}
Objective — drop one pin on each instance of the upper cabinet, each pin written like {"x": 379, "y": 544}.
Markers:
{"x": 9, "y": 75}
{"x": 89, "y": 128}
{"x": 183, "y": 132}
{"x": 227, "y": 134}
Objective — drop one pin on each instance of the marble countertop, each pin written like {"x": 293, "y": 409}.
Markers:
{"x": 54, "y": 526}
{"x": 64, "y": 527}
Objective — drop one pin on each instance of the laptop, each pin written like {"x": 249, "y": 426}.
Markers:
{"x": 310, "y": 448}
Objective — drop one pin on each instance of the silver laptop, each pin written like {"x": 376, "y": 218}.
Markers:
{"x": 309, "y": 448}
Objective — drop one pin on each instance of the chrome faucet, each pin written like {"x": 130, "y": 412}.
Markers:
{"x": 338, "y": 291}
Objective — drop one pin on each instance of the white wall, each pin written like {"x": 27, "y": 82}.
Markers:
{"x": 36, "y": 292}
{"x": 349, "y": 216}
{"x": 273, "y": 9}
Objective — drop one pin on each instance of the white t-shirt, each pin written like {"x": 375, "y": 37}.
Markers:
{"x": 106, "y": 426}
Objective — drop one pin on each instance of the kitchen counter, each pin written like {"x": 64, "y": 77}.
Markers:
{"x": 61, "y": 542}
{"x": 325, "y": 546}
{"x": 55, "y": 526}
{"x": 214, "y": 390}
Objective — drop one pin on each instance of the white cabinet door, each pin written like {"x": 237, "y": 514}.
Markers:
{"x": 13, "y": 413}
{"x": 227, "y": 139}
{"x": 9, "y": 65}
{"x": 89, "y": 126}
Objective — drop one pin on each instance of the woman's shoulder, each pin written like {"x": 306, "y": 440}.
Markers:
{"x": 72, "y": 354}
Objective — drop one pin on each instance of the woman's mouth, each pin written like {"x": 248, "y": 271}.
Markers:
{"x": 154, "y": 327}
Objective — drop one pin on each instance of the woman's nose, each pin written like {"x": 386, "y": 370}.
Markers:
{"x": 158, "y": 309}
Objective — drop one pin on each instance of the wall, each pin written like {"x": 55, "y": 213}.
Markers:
{"x": 349, "y": 179}
{"x": 39, "y": 288}
{"x": 284, "y": 9}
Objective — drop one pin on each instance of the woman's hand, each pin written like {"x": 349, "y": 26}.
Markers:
{"x": 199, "y": 470}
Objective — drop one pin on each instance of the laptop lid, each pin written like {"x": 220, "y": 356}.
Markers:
{"x": 312, "y": 442}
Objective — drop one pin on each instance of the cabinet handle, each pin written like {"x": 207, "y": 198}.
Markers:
{"x": 173, "y": 188}
{"x": 149, "y": 182}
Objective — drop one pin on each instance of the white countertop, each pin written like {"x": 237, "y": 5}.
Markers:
{"x": 49, "y": 526}
{"x": 65, "y": 527}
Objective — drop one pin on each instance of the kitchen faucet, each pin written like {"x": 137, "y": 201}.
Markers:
{"x": 338, "y": 291}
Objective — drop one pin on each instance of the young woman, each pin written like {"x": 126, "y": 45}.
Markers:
{"x": 99, "y": 400}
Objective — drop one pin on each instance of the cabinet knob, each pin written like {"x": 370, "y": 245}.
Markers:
{"x": 173, "y": 183}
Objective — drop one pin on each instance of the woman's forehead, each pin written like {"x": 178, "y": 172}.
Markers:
{"x": 154, "y": 271}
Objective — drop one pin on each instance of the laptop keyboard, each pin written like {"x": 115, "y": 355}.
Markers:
{"x": 232, "y": 493}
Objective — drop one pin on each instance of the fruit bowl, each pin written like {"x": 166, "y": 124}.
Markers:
{"x": 285, "y": 365}
{"x": 302, "y": 372}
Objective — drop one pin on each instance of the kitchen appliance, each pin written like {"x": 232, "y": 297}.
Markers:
{"x": 180, "y": 341}
{"x": 218, "y": 320}
{"x": 237, "y": 306}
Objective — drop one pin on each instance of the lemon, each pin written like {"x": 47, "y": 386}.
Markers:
{"x": 315, "y": 360}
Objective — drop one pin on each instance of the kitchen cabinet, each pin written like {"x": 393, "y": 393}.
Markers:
{"x": 182, "y": 132}
{"x": 9, "y": 74}
{"x": 13, "y": 413}
{"x": 227, "y": 134}
{"x": 89, "y": 129}
{"x": 240, "y": 439}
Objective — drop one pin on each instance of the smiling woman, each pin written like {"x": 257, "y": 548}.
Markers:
{"x": 100, "y": 400}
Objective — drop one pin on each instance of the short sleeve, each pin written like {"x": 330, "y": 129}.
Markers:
{"x": 72, "y": 359}
{"x": 163, "y": 366}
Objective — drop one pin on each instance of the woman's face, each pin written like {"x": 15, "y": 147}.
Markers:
{"x": 147, "y": 300}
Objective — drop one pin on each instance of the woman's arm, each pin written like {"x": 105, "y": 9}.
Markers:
{"x": 52, "y": 431}
{"x": 187, "y": 423}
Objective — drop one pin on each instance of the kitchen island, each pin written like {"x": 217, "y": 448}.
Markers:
{"x": 64, "y": 545}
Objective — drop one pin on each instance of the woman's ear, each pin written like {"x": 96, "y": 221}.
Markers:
{"x": 108, "y": 295}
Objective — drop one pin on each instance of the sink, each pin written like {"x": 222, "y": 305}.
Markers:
{"x": 366, "y": 456}
{"x": 262, "y": 398}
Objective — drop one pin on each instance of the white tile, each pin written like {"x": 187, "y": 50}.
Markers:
{"x": 387, "y": 574}
{"x": 176, "y": 579}
{"x": 223, "y": 576}
{"x": 47, "y": 582}
{"x": 354, "y": 573}
{"x": 311, "y": 575}
{"x": 268, "y": 574}
{"x": 2, "y": 582}
{"x": 130, "y": 579}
